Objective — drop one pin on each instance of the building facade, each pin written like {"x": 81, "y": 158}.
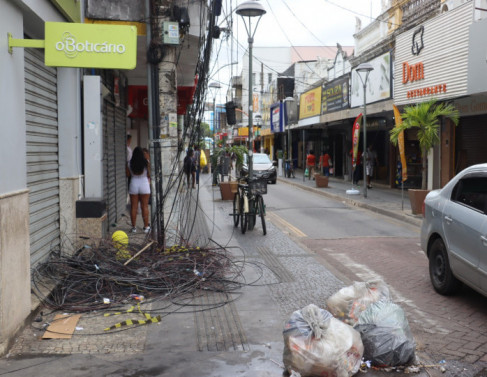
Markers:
{"x": 65, "y": 126}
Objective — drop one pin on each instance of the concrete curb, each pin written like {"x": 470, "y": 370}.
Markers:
{"x": 410, "y": 219}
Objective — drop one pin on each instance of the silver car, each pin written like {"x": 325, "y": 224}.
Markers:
{"x": 262, "y": 167}
{"x": 454, "y": 232}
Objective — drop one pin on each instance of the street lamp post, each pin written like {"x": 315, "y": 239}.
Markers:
{"x": 250, "y": 9}
{"x": 214, "y": 87}
{"x": 365, "y": 68}
{"x": 289, "y": 145}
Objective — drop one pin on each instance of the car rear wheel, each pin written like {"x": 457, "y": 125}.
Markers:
{"x": 440, "y": 272}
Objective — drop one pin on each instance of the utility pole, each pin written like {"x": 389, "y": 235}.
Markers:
{"x": 168, "y": 138}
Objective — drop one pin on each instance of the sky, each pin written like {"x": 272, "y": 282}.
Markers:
{"x": 287, "y": 23}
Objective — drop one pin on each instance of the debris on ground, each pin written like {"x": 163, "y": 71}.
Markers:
{"x": 99, "y": 278}
{"x": 382, "y": 324}
{"x": 317, "y": 344}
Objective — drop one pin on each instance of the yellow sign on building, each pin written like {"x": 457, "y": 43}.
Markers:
{"x": 90, "y": 46}
{"x": 310, "y": 103}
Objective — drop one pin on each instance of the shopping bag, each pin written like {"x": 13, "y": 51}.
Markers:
{"x": 203, "y": 161}
{"x": 306, "y": 173}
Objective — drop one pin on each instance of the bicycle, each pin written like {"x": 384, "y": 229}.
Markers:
{"x": 248, "y": 203}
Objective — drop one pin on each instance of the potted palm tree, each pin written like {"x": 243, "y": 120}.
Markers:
{"x": 425, "y": 117}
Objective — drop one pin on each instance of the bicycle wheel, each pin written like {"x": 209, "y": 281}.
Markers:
{"x": 252, "y": 214}
{"x": 261, "y": 211}
{"x": 243, "y": 216}
{"x": 236, "y": 209}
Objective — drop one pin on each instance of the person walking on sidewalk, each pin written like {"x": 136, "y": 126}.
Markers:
{"x": 197, "y": 156}
{"x": 325, "y": 163}
{"x": 139, "y": 189}
{"x": 189, "y": 167}
{"x": 310, "y": 164}
{"x": 370, "y": 158}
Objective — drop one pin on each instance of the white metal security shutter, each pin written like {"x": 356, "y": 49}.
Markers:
{"x": 42, "y": 155}
{"x": 115, "y": 182}
{"x": 120, "y": 160}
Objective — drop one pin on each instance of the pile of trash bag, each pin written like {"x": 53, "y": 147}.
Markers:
{"x": 360, "y": 320}
{"x": 383, "y": 326}
{"x": 317, "y": 344}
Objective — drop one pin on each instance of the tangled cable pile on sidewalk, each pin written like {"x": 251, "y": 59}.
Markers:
{"x": 111, "y": 272}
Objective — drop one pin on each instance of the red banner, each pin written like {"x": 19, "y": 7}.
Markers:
{"x": 355, "y": 139}
{"x": 137, "y": 101}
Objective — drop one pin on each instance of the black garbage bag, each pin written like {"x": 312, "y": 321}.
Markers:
{"x": 386, "y": 335}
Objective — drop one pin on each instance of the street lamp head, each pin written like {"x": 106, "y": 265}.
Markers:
{"x": 214, "y": 85}
{"x": 251, "y": 8}
{"x": 365, "y": 67}
{"x": 289, "y": 99}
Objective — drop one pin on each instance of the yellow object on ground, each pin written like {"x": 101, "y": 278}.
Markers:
{"x": 121, "y": 241}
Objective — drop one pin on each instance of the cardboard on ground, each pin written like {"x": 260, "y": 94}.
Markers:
{"x": 62, "y": 327}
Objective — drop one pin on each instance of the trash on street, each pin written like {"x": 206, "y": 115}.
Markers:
{"x": 349, "y": 302}
{"x": 386, "y": 336}
{"x": 317, "y": 344}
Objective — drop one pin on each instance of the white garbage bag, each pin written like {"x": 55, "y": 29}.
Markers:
{"x": 316, "y": 344}
{"x": 349, "y": 302}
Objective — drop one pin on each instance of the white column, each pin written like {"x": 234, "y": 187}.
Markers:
{"x": 93, "y": 137}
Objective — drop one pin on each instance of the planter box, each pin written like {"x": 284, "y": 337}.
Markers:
{"x": 228, "y": 189}
{"x": 416, "y": 198}
{"x": 321, "y": 180}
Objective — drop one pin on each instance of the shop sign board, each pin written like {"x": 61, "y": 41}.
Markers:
{"x": 432, "y": 58}
{"x": 278, "y": 117}
{"x": 335, "y": 95}
{"x": 310, "y": 103}
{"x": 90, "y": 45}
{"x": 378, "y": 84}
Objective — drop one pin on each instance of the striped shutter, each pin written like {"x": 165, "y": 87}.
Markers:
{"x": 42, "y": 155}
{"x": 115, "y": 182}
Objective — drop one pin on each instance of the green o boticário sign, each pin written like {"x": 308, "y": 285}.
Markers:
{"x": 90, "y": 45}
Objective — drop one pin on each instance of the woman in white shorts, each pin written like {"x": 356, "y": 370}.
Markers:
{"x": 139, "y": 188}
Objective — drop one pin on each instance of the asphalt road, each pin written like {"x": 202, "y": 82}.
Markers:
{"x": 318, "y": 217}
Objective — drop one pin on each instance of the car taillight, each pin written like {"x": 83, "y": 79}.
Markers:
{"x": 423, "y": 209}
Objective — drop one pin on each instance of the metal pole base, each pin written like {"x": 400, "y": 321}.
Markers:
{"x": 352, "y": 192}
